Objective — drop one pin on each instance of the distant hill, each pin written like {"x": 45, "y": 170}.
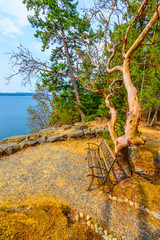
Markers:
{"x": 17, "y": 94}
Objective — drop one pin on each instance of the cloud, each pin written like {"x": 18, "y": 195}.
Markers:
{"x": 13, "y": 17}
{"x": 9, "y": 28}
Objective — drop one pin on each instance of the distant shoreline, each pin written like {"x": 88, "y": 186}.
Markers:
{"x": 17, "y": 94}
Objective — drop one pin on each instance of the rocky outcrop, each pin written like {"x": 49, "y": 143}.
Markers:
{"x": 89, "y": 133}
{"x": 57, "y": 137}
{"x": 65, "y": 127}
{"x": 9, "y": 148}
{"x": 13, "y": 144}
{"x": 75, "y": 134}
{"x": 99, "y": 131}
{"x": 42, "y": 139}
{"x": 13, "y": 139}
{"x": 28, "y": 143}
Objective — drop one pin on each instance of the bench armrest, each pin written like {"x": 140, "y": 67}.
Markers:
{"x": 92, "y": 144}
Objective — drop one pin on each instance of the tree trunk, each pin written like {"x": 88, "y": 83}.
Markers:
{"x": 133, "y": 117}
{"x": 149, "y": 115}
{"x": 124, "y": 163}
{"x": 154, "y": 117}
{"x": 74, "y": 84}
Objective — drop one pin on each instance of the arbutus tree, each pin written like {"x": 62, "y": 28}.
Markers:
{"x": 120, "y": 38}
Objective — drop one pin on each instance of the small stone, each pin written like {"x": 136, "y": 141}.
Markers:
{"x": 105, "y": 237}
{"x": 96, "y": 225}
{"x": 114, "y": 198}
{"x": 110, "y": 237}
{"x": 106, "y": 232}
{"x": 77, "y": 218}
{"x": 89, "y": 223}
{"x": 114, "y": 238}
{"x": 81, "y": 215}
{"x": 110, "y": 197}
{"x": 97, "y": 230}
{"x": 131, "y": 203}
{"x": 92, "y": 226}
{"x": 119, "y": 200}
{"x": 101, "y": 232}
{"x": 155, "y": 215}
{"x": 147, "y": 210}
{"x": 142, "y": 207}
{"x": 136, "y": 205}
{"x": 88, "y": 217}
{"x": 100, "y": 229}
{"x": 126, "y": 200}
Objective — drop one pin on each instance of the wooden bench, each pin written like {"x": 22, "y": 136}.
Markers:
{"x": 100, "y": 161}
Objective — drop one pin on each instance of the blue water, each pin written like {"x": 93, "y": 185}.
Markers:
{"x": 13, "y": 115}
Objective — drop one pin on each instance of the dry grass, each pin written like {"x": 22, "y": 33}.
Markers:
{"x": 48, "y": 218}
{"x": 41, "y": 218}
{"x": 144, "y": 189}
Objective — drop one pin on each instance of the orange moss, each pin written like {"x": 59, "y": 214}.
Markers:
{"x": 41, "y": 218}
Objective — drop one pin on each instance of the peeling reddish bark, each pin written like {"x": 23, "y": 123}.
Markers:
{"x": 131, "y": 136}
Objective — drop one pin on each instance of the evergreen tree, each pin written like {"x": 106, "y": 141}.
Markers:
{"x": 60, "y": 27}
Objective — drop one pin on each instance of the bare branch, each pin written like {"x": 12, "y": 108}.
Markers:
{"x": 23, "y": 63}
{"x": 116, "y": 68}
{"x": 94, "y": 63}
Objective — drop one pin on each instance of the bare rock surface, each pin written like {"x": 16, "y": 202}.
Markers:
{"x": 75, "y": 133}
{"x": 57, "y": 137}
{"x": 9, "y": 148}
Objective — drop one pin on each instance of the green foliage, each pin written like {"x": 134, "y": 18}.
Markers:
{"x": 59, "y": 26}
{"x": 107, "y": 136}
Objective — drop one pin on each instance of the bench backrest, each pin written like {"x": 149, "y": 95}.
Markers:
{"x": 107, "y": 154}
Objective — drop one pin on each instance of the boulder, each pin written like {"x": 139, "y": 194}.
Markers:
{"x": 156, "y": 162}
{"x": 77, "y": 123}
{"x": 65, "y": 127}
{"x": 45, "y": 130}
{"x": 57, "y": 128}
{"x": 42, "y": 139}
{"x": 155, "y": 215}
{"x": 57, "y": 137}
{"x": 89, "y": 133}
{"x": 28, "y": 143}
{"x": 9, "y": 148}
{"x": 99, "y": 131}
{"x": 82, "y": 126}
{"x": 75, "y": 134}
{"x": 1, "y": 151}
{"x": 13, "y": 139}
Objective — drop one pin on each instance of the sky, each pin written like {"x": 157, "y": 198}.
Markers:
{"x": 15, "y": 30}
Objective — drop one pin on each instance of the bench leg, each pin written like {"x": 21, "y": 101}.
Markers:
{"x": 89, "y": 188}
